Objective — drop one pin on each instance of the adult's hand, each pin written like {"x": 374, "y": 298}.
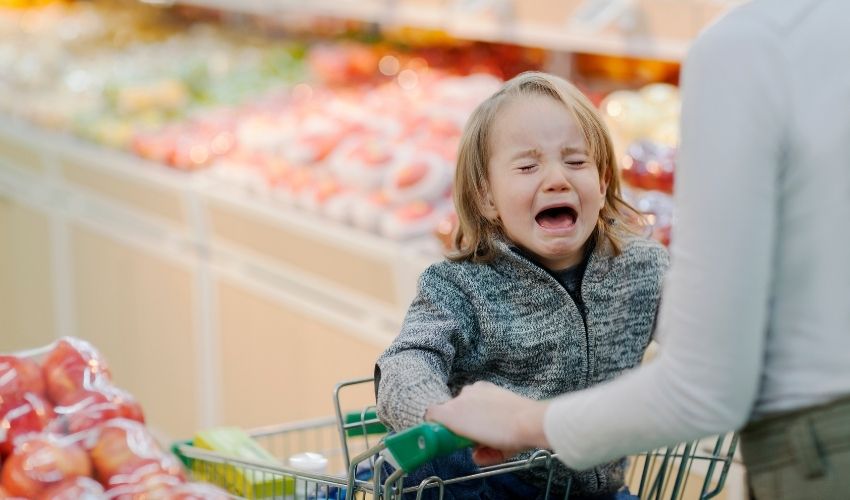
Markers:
{"x": 500, "y": 422}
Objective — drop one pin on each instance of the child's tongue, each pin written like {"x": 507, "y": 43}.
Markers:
{"x": 560, "y": 219}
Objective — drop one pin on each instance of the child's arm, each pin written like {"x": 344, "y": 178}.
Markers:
{"x": 413, "y": 372}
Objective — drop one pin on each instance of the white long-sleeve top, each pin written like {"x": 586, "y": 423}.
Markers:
{"x": 755, "y": 314}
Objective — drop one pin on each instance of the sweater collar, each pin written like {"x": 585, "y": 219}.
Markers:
{"x": 516, "y": 264}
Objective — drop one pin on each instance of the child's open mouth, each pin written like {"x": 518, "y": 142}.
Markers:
{"x": 563, "y": 217}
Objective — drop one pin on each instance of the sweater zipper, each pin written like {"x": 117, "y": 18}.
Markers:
{"x": 582, "y": 311}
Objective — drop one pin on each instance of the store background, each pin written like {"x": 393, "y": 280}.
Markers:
{"x": 233, "y": 199}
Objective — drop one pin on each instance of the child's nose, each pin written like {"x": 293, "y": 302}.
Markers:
{"x": 556, "y": 180}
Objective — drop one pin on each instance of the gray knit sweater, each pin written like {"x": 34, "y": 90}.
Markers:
{"x": 511, "y": 323}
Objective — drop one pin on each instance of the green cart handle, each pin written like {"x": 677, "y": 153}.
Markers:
{"x": 413, "y": 447}
{"x": 359, "y": 423}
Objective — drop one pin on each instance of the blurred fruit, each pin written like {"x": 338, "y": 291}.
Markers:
{"x": 76, "y": 488}
{"x": 657, "y": 210}
{"x": 650, "y": 166}
{"x": 73, "y": 365}
{"x": 167, "y": 94}
{"x": 44, "y": 449}
{"x": 625, "y": 70}
{"x": 94, "y": 408}
{"x": 22, "y": 414}
{"x": 627, "y": 115}
{"x": 18, "y": 375}
{"x": 41, "y": 462}
{"x": 426, "y": 178}
{"x": 146, "y": 485}
{"x": 410, "y": 175}
{"x": 343, "y": 63}
{"x": 414, "y": 211}
{"x": 125, "y": 450}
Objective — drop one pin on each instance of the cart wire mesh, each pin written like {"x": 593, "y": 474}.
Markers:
{"x": 352, "y": 441}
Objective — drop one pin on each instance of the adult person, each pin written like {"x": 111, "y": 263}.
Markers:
{"x": 755, "y": 316}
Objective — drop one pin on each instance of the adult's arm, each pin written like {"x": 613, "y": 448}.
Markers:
{"x": 714, "y": 313}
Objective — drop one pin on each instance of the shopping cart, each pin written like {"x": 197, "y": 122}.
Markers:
{"x": 357, "y": 445}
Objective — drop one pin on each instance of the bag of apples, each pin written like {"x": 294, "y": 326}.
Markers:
{"x": 66, "y": 432}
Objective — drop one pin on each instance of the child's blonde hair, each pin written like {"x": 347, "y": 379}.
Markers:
{"x": 476, "y": 235}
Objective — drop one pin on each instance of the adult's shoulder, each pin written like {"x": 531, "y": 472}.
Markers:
{"x": 749, "y": 29}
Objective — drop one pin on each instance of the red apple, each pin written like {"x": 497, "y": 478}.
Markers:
{"x": 122, "y": 446}
{"x": 414, "y": 210}
{"x": 41, "y": 462}
{"x": 411, "y": 174}
{"x": 76, "y": 488}
{"x": 91, "y": 408}
{"x": 125, "y": 446}
{"x": 20, "y": 415}
{"x": 71, "y": 366}
{"x": 19, "y": 375}
{"x": 148, "y": 486}
{"x": 145, "y": 471}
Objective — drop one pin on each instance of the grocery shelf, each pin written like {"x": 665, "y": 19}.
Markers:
{"x": 41, "y": 146}
{"x": 566, "y": 40}
{"x": 368, "y": 11}
{"x": 174, "y": 276}
{"x": 653, "y": 29}
{"x": 44, "y": 146}
{"x": 302, "y": 221}
{"x": 158, "y": 208}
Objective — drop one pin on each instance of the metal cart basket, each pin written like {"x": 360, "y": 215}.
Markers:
{"x": 356, "y": 443}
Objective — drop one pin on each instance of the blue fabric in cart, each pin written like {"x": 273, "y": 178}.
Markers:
{"x": 497, "y": 487}
{"x": 362, "y": 473}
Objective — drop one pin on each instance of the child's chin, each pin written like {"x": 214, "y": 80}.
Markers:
{"x": 563, "y": 247}
{"x": 562, "y": 257}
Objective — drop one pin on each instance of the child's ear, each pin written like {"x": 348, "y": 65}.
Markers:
{"x": 488, "y": 206}
{"x": 604, "y": 181}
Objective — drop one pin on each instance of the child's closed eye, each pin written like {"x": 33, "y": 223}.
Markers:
{"x": 527, "y": 168}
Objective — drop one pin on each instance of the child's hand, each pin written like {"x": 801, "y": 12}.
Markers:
{"x": 501, "y": 422}
{"x": 484, "y": 455}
